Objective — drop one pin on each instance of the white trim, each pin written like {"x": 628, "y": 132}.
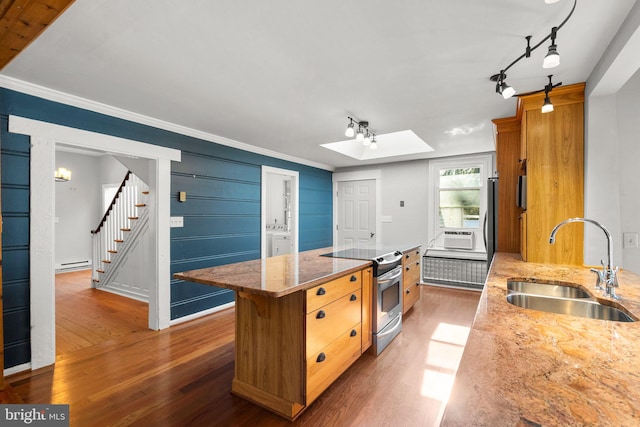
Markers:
{"x": 86, "y": 104}
{"x": 44, "y": 136}
{"x": 203, "y": 313}
{"x": 295, "y": 190}
{"x": 374, "y": 174}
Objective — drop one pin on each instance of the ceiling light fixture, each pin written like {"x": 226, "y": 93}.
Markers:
{"x": 350, "y": 130}
{"x": 552, "y": 59}
{"x": 364, "y": 135}
{"x": 62, "y": 175}
{"x": 547, "y": 107}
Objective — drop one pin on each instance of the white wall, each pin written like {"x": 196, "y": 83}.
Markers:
{"x": 628, "y": 108}
{"x": 408, "y": 182}
{"x": 77, "y": 203}
{"x": 611, "y": 147}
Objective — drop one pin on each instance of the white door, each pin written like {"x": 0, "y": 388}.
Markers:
{"x": 356, "y": 213}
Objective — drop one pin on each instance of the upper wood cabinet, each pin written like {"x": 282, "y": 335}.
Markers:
{"x": 508, "y": 163}
{"x": 551, "y": 154}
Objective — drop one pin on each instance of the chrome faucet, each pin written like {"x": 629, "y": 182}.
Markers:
{"x": 608, "y": 275}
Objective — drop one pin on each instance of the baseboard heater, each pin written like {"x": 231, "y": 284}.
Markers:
{"x": 455, "y": 272}
{"x": 74, "y": 265}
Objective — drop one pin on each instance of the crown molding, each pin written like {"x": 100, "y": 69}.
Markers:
{"x": 97, "y": 107}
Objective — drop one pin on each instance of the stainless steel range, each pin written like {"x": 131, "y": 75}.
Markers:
{"x": 387, "y": 291}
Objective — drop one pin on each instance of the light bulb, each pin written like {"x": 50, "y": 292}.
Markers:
{"x": 552, "y": 59}
{"x": 360, "y": 135}
{"x": 374, "y": 145}
{"x": 547, "y": 107}
{"x": 367, "y": 140}
{"x": 507, "y": 91}
{"x": 350, "y": 131}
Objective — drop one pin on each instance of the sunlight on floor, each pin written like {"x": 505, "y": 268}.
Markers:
{"x": 445, "y": 350}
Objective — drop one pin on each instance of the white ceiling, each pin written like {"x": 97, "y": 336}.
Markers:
{"x": 284, "y": 75}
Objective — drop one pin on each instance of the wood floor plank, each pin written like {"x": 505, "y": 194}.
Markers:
{"x": 115, "y": 371}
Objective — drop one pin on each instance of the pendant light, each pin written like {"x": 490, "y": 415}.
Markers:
{"x": 553, "y": 57}
{"x": 547, "y": 106}
{"x": 350, "y": 130}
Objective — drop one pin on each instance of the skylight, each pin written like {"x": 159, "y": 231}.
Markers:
{"x": 389, "y": 145}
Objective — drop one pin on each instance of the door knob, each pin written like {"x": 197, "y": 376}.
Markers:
{"x": 373, "y": 234}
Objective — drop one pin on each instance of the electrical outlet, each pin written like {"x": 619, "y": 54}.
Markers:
{"x": 177, "y": 222}
{"x": 630, "y": 240}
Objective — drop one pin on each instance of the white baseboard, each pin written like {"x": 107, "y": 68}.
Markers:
{"x": 202, "y": 313}
{"x": 17, "y": 369}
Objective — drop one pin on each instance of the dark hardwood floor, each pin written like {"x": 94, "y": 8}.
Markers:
{"x": 112, "y": 370}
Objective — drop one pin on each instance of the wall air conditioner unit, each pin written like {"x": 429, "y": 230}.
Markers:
{"x": 459, "y": 239}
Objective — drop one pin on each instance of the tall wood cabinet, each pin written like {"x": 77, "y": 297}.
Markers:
{"x": 551, "y": 155}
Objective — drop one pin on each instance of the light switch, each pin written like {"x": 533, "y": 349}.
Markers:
{"x": 630, "y": 240}
{"x": 182, "y": 196}
{"x": 177, "y": 222}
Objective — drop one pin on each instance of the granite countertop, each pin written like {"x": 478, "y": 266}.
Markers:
{"x": 276, "y": 276}
{"x": 524, "y": 367}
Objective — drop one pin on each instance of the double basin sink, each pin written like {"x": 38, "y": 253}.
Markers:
{"x": 562, "y": 298}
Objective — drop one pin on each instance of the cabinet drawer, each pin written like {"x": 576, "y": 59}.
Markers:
{"x": 410, "y": 295}
{"x": 329, "y": 322}
{"x": 324, "y": 294}
{"x": 411, "y": 275}
{"x": 411, "y": 256}
{"x": 326, "y": 365}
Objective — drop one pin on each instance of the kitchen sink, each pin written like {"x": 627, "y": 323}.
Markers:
{"x": 574, "y": 306}
{"x": 551, "y": 289}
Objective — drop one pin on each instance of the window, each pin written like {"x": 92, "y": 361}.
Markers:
{"x": 459, "y": 197}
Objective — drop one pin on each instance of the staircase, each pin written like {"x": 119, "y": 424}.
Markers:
{"x": 123, "y": 222}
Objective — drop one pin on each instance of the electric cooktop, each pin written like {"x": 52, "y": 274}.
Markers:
{"x": 360, "y": 253}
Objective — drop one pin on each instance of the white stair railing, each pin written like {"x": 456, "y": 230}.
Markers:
{"x": 117, "y": 226}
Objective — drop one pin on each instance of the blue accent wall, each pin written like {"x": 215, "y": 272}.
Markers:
{"x": 221, "y": 214}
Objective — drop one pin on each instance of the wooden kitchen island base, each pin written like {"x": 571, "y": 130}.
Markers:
{"x": 292, "y": 342}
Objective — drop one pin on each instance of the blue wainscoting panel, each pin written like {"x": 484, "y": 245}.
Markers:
{"x": 221, "y": 214}
{"x": 14, "y": 150}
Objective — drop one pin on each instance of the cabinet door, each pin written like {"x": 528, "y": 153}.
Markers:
{"x": 523, "y": 236}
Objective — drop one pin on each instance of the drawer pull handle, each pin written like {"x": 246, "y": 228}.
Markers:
{"x": 408, "y": 291}
{"x": 407, "y": 256}
{"x": 353, "y": 333}
{"x": 353, "y": 279}
{"x": 353, "y": 297}
{"x": 321, "y": 314}
{"x": 321, "y": 358}
{"x": 408, "y": 268}
{"x": 417, "y": 262}
{"x": 321, "y": 291}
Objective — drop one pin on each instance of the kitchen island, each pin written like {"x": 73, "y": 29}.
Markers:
{"x": 301, "y": 320}
{"x": 525, "y": 367}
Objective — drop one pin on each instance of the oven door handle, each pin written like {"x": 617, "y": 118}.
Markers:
{"x": 390, "y": 261}
{"x": 384, "y": 279}
{"x": 398, "y": 324}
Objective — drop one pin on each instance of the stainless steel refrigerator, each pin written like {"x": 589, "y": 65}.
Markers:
{"x": 491, "y": 219}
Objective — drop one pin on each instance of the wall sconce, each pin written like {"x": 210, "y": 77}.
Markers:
{"x": 552, "y": 59}
{"x": 62, "y": 175}
{"x": 364, "y": 135}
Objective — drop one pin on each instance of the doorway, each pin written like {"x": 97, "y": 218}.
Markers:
{"x": 43, "y": 137}
{"x": 357, "y": 214}
{"x": 356, "y": 209}
{"x": 279, "y": 212}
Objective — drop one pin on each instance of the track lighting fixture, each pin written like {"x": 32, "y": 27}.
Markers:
{"x": 547, "y": 106}
{"x": 364, "y": 135}
{"x": 552, "y": 59}
{"x": 350, "y": 130}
